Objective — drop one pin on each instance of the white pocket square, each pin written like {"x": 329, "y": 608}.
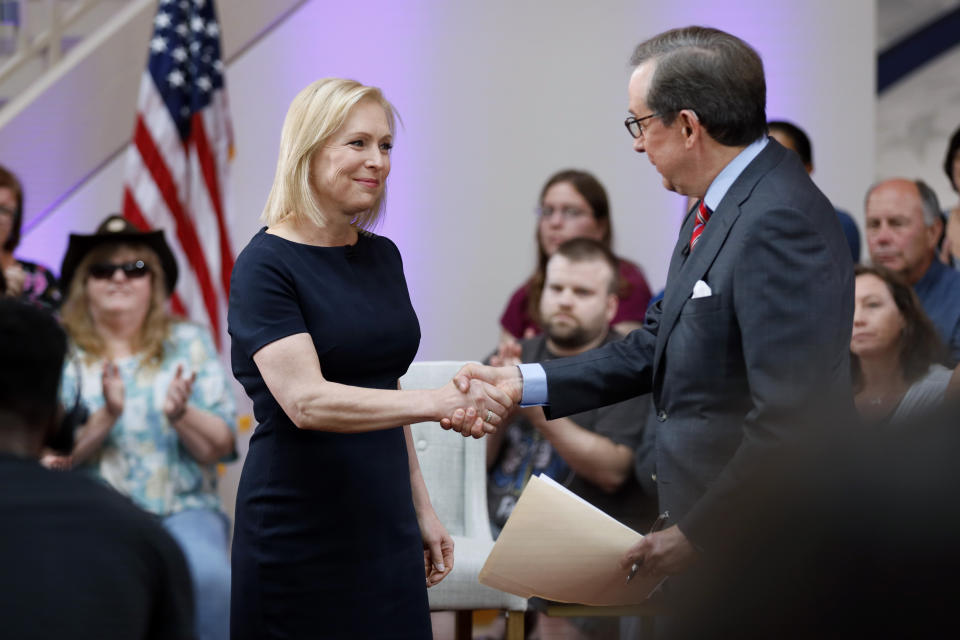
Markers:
{"x": 701, "y": 290}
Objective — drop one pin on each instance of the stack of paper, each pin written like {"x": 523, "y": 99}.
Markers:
{"x": 558, "y": 546}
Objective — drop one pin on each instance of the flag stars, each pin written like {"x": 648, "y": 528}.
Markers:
{"x": 158, "y": 45}
{"x": 175, "y": 78}
{"x": 179, "y": 54}
{"x": 203, "y": 82}
{"x": 197, "y": 24}
{"x": 182, "y": 30}
{"x": 162, "y": 21}
{"x": 213, "y": 29}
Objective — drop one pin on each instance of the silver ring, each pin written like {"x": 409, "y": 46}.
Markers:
{"x": 489, "y": 416}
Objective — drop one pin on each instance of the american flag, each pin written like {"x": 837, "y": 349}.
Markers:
{"x": 176, "y": 167}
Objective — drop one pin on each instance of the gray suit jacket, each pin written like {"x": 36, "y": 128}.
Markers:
{"x": 758, "y": 363}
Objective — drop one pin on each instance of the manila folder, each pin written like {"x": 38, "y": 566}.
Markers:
{"x": 557, "y": 546}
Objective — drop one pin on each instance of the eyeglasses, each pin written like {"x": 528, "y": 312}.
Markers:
{"x": 105, "y": 270}
{"x": 567, "y": 213}
{"x": 634, "y": 125}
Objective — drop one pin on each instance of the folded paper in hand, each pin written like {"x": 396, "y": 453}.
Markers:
{"x": 558, "y": 546}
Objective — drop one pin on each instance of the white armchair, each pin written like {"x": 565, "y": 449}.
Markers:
{"x": 454, "y": 469}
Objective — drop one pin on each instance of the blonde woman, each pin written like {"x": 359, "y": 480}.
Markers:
{"x": 335, "y": 535}
{"x": 161, "y": 413}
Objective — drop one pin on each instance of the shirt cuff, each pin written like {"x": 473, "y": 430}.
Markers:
{"x": 534, "y": 385}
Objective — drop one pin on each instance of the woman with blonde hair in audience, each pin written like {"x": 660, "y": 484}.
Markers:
{"x": 895, "y": 350}
{"x": 161, "y": 411}
{"x": 573, "y": 204}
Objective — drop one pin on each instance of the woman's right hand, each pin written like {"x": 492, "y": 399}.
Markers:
{"x": 113, "y": 391}
{"x": 483, "y": 406}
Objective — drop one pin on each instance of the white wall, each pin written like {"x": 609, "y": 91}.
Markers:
{"x": 495, "y": 96}
{"x": 915, "y": 119}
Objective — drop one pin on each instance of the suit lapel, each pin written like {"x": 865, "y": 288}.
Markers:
{"x": 683, "y": 274}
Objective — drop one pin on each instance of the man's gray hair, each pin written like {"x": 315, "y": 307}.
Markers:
{"x": 711, "y": 72}
{"x": 929, "y": 202}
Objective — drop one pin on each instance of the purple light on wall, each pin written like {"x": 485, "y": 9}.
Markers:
{"x": 779, "y": 31}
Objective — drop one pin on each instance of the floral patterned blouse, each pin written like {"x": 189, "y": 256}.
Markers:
{"x": 39, "y": 286}
{"x": 143, "y": 456}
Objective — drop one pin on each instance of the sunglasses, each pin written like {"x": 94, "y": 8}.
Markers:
{"x": 105, "y": 270}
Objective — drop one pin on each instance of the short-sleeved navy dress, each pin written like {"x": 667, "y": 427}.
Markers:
{"x": 326, "y": 542}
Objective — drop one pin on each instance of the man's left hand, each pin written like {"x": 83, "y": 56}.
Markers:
{"x": 666, "y": 552}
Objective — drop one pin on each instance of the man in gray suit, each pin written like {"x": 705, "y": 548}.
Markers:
{"x": 751, "y": 340}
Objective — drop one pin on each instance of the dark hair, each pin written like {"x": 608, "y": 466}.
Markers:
{"x": 32, "y": 351}
{"x": 8, "y": 180}
{"x": 585, "y": 249}
{"x": 920, "y": 344}
{"x": 717, "y": 75}
{"x": 587, "y": 185}
{"x": 952, "y": 150}
{"x": 801, "y": 142}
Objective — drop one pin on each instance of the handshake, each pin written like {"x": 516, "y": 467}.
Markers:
{"x": 479, "y": 399}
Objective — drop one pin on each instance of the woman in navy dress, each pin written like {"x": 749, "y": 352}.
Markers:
{"x": 335, "y": 536}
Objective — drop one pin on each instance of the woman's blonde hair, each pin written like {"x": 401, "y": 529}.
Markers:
{"x": 314, "y": 116}
{"x": 76, "y": 310}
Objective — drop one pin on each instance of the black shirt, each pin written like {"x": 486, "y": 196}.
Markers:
{"x": 78, "y": 560}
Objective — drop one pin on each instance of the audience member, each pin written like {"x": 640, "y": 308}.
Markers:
{"x": 19, "y": 278}
{"x": 79, "y": 560}
{"x": 573, "y": 204}
{"x": 903, "y": 228}
{"x": 895, "y": 350}
{"x": 591, "y": 453}
{"x": 161, "y": 411}
{"x": 793, "y": 137}
{"x": 950, "y": 250}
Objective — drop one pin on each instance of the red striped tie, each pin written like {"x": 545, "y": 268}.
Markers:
{"x": 703, "y": 214}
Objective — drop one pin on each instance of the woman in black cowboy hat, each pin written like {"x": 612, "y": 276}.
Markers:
{"x": 161, "y": 410}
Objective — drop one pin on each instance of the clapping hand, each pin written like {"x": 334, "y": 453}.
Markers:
{"x": 15, "y": 278}
{"x": 508, "y": 354}
{"x": 113, "y": 391}
{"x": 178, "y": 394}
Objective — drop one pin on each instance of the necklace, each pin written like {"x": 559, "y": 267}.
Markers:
{"x": 884, "y": 398}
